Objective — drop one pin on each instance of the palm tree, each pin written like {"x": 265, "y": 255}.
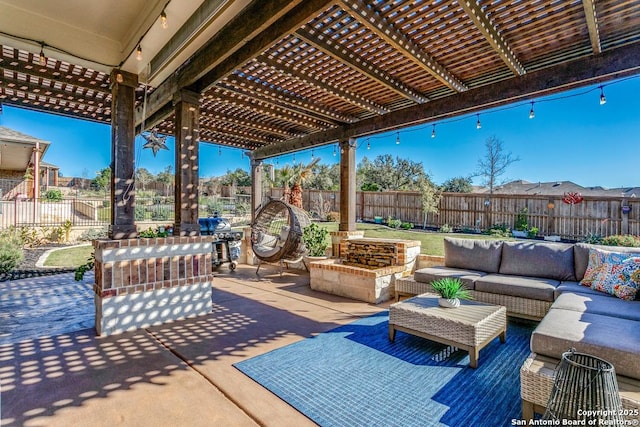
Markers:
{"x": 300, "y": 174}
{"x": 283, "y": 178}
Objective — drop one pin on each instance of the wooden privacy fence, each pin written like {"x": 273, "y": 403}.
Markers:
{"x": 603, "y": 216}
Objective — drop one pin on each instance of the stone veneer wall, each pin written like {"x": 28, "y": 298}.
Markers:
{"x": 144, "y": 282}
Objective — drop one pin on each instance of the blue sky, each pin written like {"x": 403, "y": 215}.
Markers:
{"x": 572, "y": 137}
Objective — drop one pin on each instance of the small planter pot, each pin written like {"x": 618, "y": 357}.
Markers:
{"x": 448, "y": 303}
{"x": 518, "y": 233}
{"x": 377, "y": 219}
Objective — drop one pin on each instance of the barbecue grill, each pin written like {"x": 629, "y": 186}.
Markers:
{"x": 226, "y": 247}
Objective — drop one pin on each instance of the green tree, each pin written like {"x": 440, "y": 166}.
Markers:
{"x": 239, "y": 176}
{"x": 301, "y": 173}
{"x": 324, "y": 177}
{"x": 429, "y": 196}
{"x": 167, "y": 178}
{"x": 391, "y": 174}
{"x": 144, "y": 177}
{"x": 103, "y": 180}
{"x": 457, "y": 185}
{"x": 494, "y": 163}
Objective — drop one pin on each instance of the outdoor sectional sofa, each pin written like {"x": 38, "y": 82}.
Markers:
{"x": 541, "y": 281}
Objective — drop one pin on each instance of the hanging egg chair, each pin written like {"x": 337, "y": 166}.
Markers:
{"x": 276, "y": 233}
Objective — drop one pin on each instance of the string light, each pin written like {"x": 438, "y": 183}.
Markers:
{"x": 433, "y": 131}
{"x": 368, "y": 144}
{"x": 532, "y": 113}
{"x": 139, "y": 53}
{"x": 219, "y": 151}
{"x": 478, "y": 124}
{"x": 43, "y": 59}
{"x": 163, "y": 20}
{"x": 603, "y": 100}
{"x": 397, "y": 138}
{"x": 334, "y": 151}
{"x": 294, "y": 158}
{"x": 312, "y": 155}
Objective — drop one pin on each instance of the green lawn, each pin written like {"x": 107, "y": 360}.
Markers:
{"x": 69, "y": 257}
{"x": 432, "y": 242}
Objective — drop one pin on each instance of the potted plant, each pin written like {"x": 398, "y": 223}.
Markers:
{"x": 522, "y": 224}
{"x": 451, "y": 291}
{"x": 315, "y": 238}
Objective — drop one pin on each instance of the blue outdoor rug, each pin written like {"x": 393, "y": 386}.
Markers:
{"x": 353, "y": 376}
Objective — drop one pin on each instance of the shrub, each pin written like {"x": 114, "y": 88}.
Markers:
{"x": 333, "y": 216}
{"x": 592, "y": 238}
{"x": 93, "y": 234}
{"x": 11, "y": 252}
{"x": 315, "y": 239}
{"x": 406, "y": 226}
{"x": 499, "y": 230}
{"x": 394, "y": 223}
{"x": 161, "y": 214}
{"x": 622, "y": 240}
{"x": 445, "y": 228}
{"x": 532, "y": 232}
{"x": 53, "y": 195}
{"x": 522, "y": 221}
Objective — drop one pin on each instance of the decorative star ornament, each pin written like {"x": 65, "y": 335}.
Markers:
{"x": 155, "y": 142}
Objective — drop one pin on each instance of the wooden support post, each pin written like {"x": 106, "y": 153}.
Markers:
{"x": 187, "y": 155}
{"x": 347, "y": 185}
{"x": 123, "y": 155}
{"x": 256, "y": 186}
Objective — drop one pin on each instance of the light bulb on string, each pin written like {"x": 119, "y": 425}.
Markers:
{"x": 219, "y": 151}
{"x": 397, "y": 138}
{"x": 368, "y": 144}
{"x": 478, "y": 124}
{"x": 294, "y": 159}
{"x": 603, "y": 100}
{"x": 139, "y": 53}
{"x": 532, "y": 113}
{"x": 43, "y": 59}
{"x": 163, "y": 20}
{"x": 312, "y": 155}
{"x": 433, "y": 131}
{"x": 334, "y": 151}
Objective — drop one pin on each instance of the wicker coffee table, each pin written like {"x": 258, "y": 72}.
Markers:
{"x": 469, "y": 327}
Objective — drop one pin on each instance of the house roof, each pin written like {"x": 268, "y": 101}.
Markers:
{"x": 559, "y": 188}
{"x": 16, "y": 149}
{"x": 278, "y": 76}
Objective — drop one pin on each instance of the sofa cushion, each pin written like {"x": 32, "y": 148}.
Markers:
{"x": 598, "y": 304}
{"x": 472, "y": 254}
{"x": 539, "y": 288}
{"x": 574, "y": 287}
{"x": 429, "y": 274}
{"x": 621, "y": 279}
{"x": 537, "y": 259}
{"x": 581, "y": 255}
{"x": 613, "y": 339}
{"x": 599, "y": 262}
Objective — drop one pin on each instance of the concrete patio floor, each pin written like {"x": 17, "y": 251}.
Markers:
{"x": 178, "y": 374}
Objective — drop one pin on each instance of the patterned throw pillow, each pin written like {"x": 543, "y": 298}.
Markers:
{"x": 597, "y": 260}
{"x": 620, "y": 279}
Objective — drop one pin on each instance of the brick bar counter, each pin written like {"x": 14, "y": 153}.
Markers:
{"x": 144, "y": 282}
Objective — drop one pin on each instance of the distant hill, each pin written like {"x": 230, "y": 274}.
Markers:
{"x": 558, "y": 188}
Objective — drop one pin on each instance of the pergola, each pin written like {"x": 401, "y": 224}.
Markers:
{"x": 277, "y": 76}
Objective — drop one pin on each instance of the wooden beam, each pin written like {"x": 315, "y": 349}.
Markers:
{"x": 370, "y": 18}
{"x": 319, "y": 40}
{"x": 592, "y": 24}
{"x": 493, "y": 36}
{"x": 77, "y": 95}
{"x": 264, "y": 98}
{"x": 252, "y": 31}
{"x": 326, "y": 86}
{"x": 611, "y": 64}
{"x": 100, "y": 87}
{"x": 271, "y": 110}
{"x": 215, "y": 116}
{"x": 280, "y": 97}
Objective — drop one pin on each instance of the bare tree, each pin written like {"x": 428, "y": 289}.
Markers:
{"x": 494, "y": 163}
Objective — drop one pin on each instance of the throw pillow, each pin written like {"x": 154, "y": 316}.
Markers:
{"x": 621, "y": 279}
{"x": 597, "y": 260}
